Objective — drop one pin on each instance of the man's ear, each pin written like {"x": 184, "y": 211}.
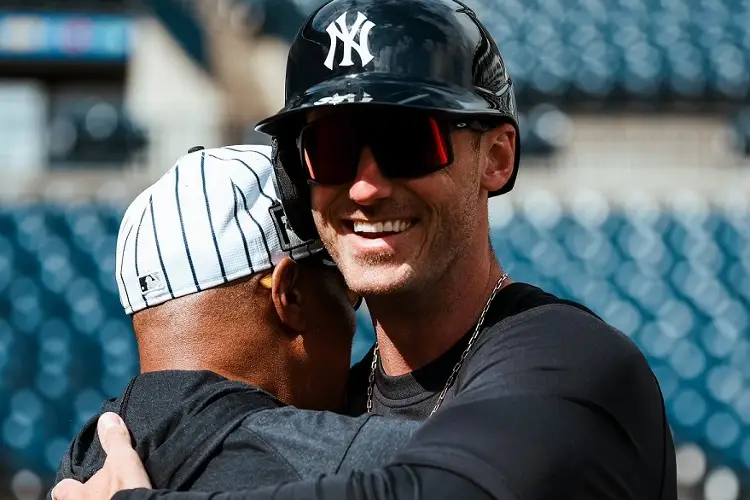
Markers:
{"x": 287, "y": 295}
{"x": 499, "y": 148}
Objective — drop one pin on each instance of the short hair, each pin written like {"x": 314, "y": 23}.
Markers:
{"x": 477, "y": 141}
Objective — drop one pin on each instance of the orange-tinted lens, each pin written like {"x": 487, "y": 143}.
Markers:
{"x": 405, "y": 145}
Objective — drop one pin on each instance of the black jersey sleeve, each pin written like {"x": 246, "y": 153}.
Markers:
{"x": 402, "y": 482}
{"x": 554, "y": 405}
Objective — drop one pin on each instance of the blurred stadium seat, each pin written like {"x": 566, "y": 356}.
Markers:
{"x": 89, "y": 5}
{"x": 742, "y": 132}
{"x": 92, "y": 131}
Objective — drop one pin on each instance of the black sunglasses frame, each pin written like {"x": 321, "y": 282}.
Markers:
{"x": 445, "y": 125}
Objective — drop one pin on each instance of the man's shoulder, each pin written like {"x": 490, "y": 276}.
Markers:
{"x": 562, "y": 337}
{"x": 565, "y": 324}
{"x": 559, "y": 351}
{"x": 519, "y": 297}
{"x": 297, "y": 420}
{"x": 320, "y": 442}
{"x": 295, "y": 431}
{"x": 563, "y": 351}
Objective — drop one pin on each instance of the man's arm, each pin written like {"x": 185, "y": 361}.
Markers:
{"x": 505, "y": 449}
{"x": 472, "y": 451}
{"x": 388, "y": 483}
{"x": 562, "y": 406}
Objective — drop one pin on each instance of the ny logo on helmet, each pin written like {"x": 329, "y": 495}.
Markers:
{"x": 338, "y": 32}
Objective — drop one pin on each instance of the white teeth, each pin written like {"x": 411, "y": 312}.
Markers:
{"x": 396, "y": 226}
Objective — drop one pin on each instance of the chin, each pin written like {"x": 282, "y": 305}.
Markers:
{"x": 379, "y": 279}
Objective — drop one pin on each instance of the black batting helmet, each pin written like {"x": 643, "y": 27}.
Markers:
{"x": 420, "y": 54}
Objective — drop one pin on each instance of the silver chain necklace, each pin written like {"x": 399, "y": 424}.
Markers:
{"x": 456, "y": 368}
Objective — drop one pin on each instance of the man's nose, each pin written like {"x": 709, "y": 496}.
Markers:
{"x": 370, "y": 185}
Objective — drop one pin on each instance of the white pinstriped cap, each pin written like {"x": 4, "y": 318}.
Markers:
{"x": 214, "y": 217}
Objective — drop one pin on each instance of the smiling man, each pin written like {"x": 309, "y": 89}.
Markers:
{"x": 390, "y": 154}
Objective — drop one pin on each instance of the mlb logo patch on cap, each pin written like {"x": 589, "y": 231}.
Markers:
{"x": 151, "y": 283}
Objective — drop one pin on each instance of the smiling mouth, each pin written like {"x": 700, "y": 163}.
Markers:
{"x": 380, "y": 229}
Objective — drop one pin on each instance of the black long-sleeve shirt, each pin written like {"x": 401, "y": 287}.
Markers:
{"x": 551, "y": 403}
{"x": 262, "y": 442}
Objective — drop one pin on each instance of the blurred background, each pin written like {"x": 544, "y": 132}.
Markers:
{"x": 632, "y": 197}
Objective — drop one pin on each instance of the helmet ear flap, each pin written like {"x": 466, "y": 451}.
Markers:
{"x": 292, "y": 188}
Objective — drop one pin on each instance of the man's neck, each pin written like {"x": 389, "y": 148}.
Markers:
{"x": 277, "y": 368}
{"x": 200, "y": 362}
{"x": 236, "y": 360}
{"x": 415, "y": 330}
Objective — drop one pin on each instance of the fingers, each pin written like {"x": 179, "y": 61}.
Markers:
{"x": 122, "y": 468}
{"x": 113, "y": 434}
{"x": 67, "y": 489}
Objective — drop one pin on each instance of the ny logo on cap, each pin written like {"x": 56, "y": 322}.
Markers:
{"x": 361, "y": 29}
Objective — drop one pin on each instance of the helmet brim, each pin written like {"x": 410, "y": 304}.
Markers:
{"x": 370, "y": 89}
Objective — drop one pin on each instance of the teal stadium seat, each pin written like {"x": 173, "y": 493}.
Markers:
{"x": 741, "y": 130}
